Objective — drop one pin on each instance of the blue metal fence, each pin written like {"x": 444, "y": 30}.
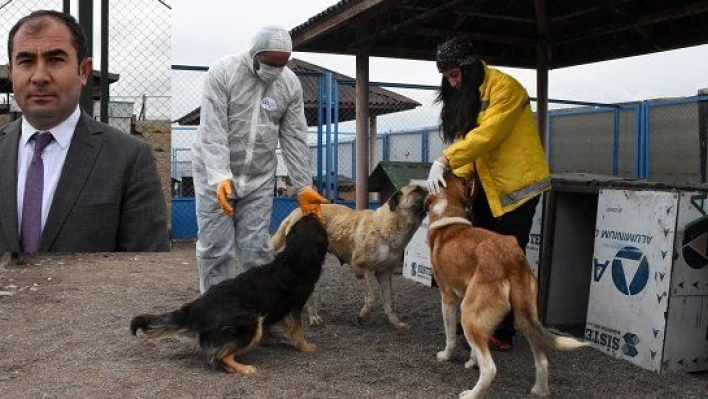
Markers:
{"x": 648, "y": 139}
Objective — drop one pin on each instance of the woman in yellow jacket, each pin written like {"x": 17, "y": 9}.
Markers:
{"x": 487, "y": 117}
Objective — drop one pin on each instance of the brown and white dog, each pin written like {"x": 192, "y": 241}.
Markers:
{"x": 371, "y": 242}
{"x": 489, "y": 274}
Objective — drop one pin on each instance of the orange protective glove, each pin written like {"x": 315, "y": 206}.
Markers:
{"x": 224, "y": 191}
{"x": 310, "y": 202}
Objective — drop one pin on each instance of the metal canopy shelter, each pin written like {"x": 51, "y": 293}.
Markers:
{"x": 539, "y": 34}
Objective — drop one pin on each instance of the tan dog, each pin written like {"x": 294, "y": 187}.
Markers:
{"x": 371, "y": 242}
{"x": 489, "y": 273}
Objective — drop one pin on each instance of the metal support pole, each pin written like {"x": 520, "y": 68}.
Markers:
{"x": 353, "y": 158}
{"x": 335, "y": 110}
{"x": 703, "y": 133}
{"x": 638, "y": 110}
{"x": 386, "y": 148}
{"x": 86, "y": 22}
{"x": 372, "y": 142}
{"x": 320, "y": 118}
{"x": 362, "y": 133}
{"x": 105, "y": 96}
{"x": 646, "y": 140}
{"x": 328, "y": 130}
{"x": 616, "y": 143}
{"x": 542, "y": 70}
{"x": 542, "y": 120}
{"x": 548, "y": 144}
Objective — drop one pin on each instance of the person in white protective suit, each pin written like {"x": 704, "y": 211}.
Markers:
{"x": 250, "y": 101}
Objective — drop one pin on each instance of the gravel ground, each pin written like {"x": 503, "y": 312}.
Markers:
{"x": 64, "y": 323}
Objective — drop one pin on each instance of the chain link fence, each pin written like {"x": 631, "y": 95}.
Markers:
{"x": 139, "y": 52}
{"x": 598, "y": 139}
{"x": 676, "y": 140}
{"x": 661, "y": 140}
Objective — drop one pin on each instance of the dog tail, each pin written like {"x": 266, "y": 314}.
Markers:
{"x": 278, "y": 237}
{"x": 163, "y": 324}
{"x": 523, "y": 302}
{"x": 534, "y": 331}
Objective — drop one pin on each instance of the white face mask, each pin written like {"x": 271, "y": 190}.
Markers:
{"x": 269, "y": 74}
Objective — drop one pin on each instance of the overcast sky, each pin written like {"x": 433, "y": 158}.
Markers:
{"x": 204, "y": 31}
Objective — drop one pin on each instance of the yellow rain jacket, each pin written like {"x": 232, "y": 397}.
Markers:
{"x": 504, "y": 149}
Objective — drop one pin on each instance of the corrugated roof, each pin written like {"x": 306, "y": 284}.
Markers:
{"x": 342, "y": 5}
{"x": 506, "y": 32}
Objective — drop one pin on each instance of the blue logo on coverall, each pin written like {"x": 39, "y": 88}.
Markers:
{"x": 268, "y": 104}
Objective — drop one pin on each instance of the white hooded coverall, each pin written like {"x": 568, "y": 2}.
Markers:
{"x": 242, "y": 118}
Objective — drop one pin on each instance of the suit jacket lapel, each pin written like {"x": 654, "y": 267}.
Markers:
{"x": 84, "y": 149}
{"x": 9, "y": 142}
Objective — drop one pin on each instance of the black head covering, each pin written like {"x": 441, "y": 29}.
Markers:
{"x": 455, "y": 53}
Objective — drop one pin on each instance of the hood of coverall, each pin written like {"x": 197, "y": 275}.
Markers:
{"x": 270, "y": 38}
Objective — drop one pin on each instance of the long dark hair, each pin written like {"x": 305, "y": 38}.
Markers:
{"x": 461, "y": 106}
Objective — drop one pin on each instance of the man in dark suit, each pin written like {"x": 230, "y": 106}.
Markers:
{"x": 70, "y": 183}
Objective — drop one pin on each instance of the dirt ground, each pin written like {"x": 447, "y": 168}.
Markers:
{"x": 64, "y": 334}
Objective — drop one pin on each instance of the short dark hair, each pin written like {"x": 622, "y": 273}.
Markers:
{"x": 77, "y": 32}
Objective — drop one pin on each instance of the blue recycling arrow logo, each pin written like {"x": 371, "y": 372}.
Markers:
{"x": 628, "y": 279}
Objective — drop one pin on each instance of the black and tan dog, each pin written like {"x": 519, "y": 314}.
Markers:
{"x": 231, "y": 317}
{"x": 489, "y": 274}
{"x": 371, "y": 242}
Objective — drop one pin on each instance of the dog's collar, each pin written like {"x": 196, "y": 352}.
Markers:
{"x": 447, "y": 221}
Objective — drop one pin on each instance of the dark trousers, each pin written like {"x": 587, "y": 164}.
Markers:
{"x": 516, "y": 223}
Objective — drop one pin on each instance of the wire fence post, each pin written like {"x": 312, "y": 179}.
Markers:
{"x": 335, "y": 96}
{"x": 328, "y": 124}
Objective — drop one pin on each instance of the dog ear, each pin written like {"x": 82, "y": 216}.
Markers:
{"x": 394, "y": 200}
{"x": 428, "y": 201}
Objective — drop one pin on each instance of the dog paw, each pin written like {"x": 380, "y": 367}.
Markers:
{"x": 469, "y": 394}
{"x": 540, "y": 391}
{"x": 360, "y": 319}
{"x": 242, "y": 369}
{"x": 307, "y": 347}
{"x": 249, "y": 370}
{"x": 443, "y": 356}
{"x": 472, "y": 363}
{"x": 359, "y": 273}
{"x": 315, "y": 320}
{"x": 401, "y": 326}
